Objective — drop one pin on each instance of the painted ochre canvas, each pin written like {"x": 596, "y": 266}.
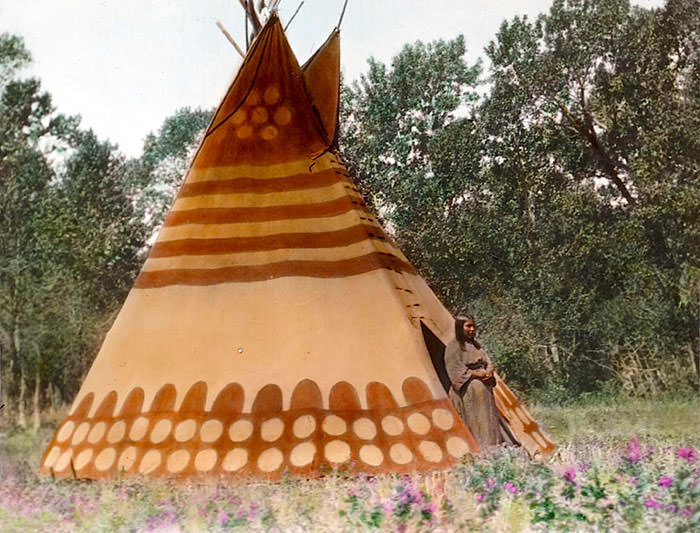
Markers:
{"x": 275, "y": 327}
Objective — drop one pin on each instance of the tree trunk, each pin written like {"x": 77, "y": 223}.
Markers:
{"x": 51, "y": 395}
{"x": 21, "y": 419}
{"x": 36, "y": 417}
{"x": 17, "y": 341}
{"x": 5, "y": 398}
{"x": 2, "y": 389}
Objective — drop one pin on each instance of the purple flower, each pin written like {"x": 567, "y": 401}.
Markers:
{"x": 406, "y": 496}
{"x": 480, "y": 497}
{"x": 652, "y": 504}
{"x": 570, "y": 475}
{"x": 689, "y": 454}
{"x": 634, "y": 451}
{"x": 687, "y": 512}
{"x": 665, "y": 482}
{"x": 490, "y": 483}
{"x": 223, "y": 516}
{"x": 418, "y": 497}
{"x": 253, "y": 511}
{"x": 510, "y": 487}
{"x": 430, "y": 508}
{"x": 633, "y": 481}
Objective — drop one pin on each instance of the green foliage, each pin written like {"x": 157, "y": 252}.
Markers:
{"x": 13, "y": 56}
{"x": 29, "y": 130}
{"x": 157, "y": 174}
{"x": 70, "y": 237}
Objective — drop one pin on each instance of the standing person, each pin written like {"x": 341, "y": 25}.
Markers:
{"x": 471, "y": 373}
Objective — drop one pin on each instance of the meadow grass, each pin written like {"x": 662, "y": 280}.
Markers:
{"x": 625, "y": 465}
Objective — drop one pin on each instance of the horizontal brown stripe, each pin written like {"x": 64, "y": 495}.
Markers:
{"x": 325, "y": 162}
{"x": 327, "y": 239}
{"x": 313, "y": 269}
{"x": 271, "y": 227}
{"x": 363, "y": 247}
{"x": 261, "y": 185}
{"x": 224, "y": 215}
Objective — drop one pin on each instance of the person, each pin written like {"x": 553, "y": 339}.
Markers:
{"x": 471, "y": 375}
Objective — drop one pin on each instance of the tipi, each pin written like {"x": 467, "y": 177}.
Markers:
{"x": 274, "y": 326}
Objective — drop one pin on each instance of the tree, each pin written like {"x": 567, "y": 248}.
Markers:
{"x": 157, "y": 174}
{"x": 595, "y": 101}
{"x": 71, "y": 238}
{"x": 29, "y": 129}
{"x": 391, "y": 119}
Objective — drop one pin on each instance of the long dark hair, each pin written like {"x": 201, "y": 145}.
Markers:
{"x": 459, "y": 331}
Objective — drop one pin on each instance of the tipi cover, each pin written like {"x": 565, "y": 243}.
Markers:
{"x": 274, "y": 326}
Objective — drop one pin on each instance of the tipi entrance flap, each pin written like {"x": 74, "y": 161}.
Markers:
{"x": 437, "y": 355}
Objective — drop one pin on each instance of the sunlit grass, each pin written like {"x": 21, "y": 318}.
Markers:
{"x": 618, "y": 421}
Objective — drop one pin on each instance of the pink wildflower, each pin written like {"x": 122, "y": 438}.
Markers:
{"x": 689, "y": 454}
{"x": 665, "y": 482}
{"x": 418, "y": 497}
{"x": 652, "y": 504}
{"x": 430, "y": 508}
{"x": 253, "y": 511}
{"x": 633, "y": 481}
{"x": 570, "y": 475}
{"x": 511, "y": 488}
{"x": 490, "y": 483}
{"x": 634, "y": 451}
{"x": 480, "y": 497}
{"x": 223, "y": 516}
{"x": 687, "y": 512}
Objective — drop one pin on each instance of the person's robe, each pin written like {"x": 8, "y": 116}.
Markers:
{"x": 473, "y": 397}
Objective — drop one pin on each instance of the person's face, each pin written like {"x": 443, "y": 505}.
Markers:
{"x": 469, "y": 329}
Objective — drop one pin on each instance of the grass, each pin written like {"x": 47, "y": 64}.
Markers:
{"x": 672, "y": 419}
{"x": 629, "y": 465}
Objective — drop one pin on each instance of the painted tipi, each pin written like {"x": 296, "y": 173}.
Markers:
{"x": 274, "y": 326}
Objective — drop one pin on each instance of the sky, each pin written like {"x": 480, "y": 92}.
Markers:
{"x": 126, "y": 65}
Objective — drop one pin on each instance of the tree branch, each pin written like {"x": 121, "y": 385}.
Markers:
{"x": 5, "y": 338}
{"x": 608, "y": 164}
